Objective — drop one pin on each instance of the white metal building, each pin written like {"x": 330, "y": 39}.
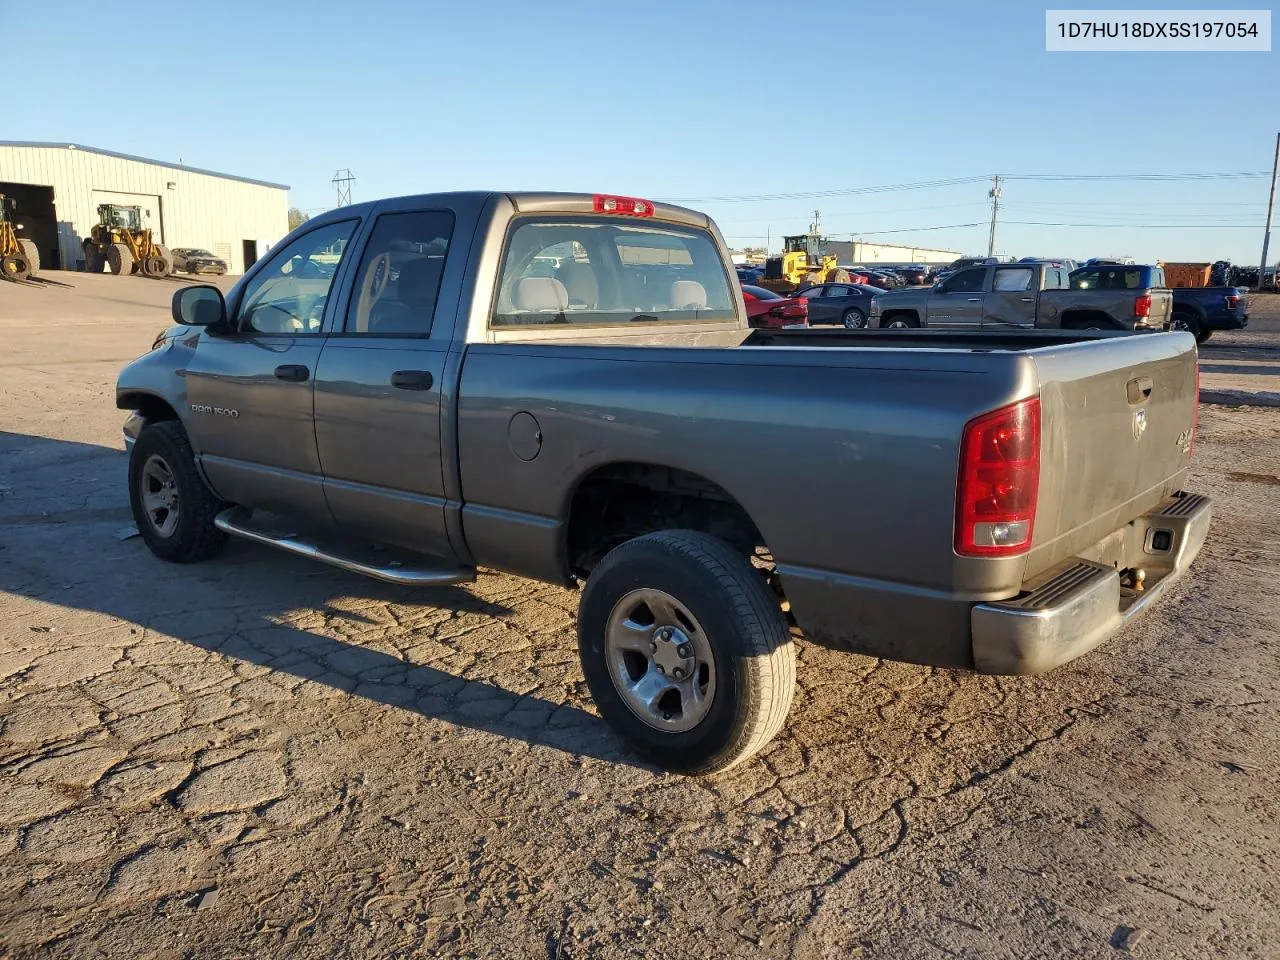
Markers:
{"x": 58, "y": 187}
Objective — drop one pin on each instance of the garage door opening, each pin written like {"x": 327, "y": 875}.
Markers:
{"x": 34, "y": 209}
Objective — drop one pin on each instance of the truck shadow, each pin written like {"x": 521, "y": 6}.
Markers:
{"x": 65, "y": 540}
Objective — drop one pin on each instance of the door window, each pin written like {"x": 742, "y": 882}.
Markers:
{"x": 399, "y": 274}
{"x": 288, "y": 295}
{"x": 812, "y": 292}
{"x": 966, "y": 281}
{"x": 838, "y": 292}
{"x": 1012, "y": 279}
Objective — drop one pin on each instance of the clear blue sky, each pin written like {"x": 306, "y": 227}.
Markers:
{"x": 690, "y": 99}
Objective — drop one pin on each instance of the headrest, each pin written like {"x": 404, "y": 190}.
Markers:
{"x": 688, "y": 295}
{"x": 538, "y": 294}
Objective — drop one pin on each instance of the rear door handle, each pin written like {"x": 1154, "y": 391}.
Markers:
{"x": 975, "y": 299}
{"x": 1027, "y": 299}
{"x": 292, "y": 372}
{"x": 412, "y": 379}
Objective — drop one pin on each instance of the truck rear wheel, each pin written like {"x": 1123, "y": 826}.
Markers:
{"x": 120, "y": 259}
{"x": 686, "y": 651}
{"x": 172, "y": 506}
{"x": 32, "y": 253}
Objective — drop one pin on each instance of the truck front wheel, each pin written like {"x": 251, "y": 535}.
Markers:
{"x": 686, "y": 651}
{"x": 172, "y": 506}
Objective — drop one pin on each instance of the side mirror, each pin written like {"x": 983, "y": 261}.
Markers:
{"x": 201, "y": 306}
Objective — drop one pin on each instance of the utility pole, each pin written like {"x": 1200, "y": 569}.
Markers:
{"x": 994, "y": 194}
{"x": 1271, "y": 205}
{"x": 342, "y": 181}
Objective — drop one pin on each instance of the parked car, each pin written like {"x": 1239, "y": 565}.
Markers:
{"x": 848, "y": 304}
{"x": 618, "y": 425}
{"x": 1060, "y": 261}
{"x": 914, "y": 276}
{"x": 1040, "y": 294}
{"x": 1109, "y": 262}
{"x": 197, "y": 260}
{"x": 1202, "y": 310}
{"x": 768, "y": 309}
{"x": 884, "y": 279}
{"x": 750, "y": 274}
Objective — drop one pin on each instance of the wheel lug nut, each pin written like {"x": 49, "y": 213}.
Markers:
{"x": 678, "y": 673}
{"x": 683, "y": 650}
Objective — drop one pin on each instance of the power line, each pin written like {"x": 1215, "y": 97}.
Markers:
{"x": 957, "y": 181}
{"x": 1139, "y": 226}
{"x": 841, "y": 192}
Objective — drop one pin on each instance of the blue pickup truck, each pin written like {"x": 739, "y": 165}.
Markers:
{"x": 1202, "y": 310}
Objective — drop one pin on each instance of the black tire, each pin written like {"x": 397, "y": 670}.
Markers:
{"x": 1202, "y": 336}
{"x": 900, "y": 321}
{"x": 1188, "y": 322}
{"x": 15, "y": 267}
{"x": 93, "y": 261}
{"x": 32, "y": 253}
{"x": 120, "y": 259}
{"x": 854, "y": 319}
{"x": 194, "y": 536}
{"x": 163, "y": 253}
{"x": 752, "y": 653}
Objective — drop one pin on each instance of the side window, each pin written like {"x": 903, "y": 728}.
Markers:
{"x": 399, "y": 274}
{"x": 289, "y": 294}
{"x": 838, "y": 292}
{"x": 1012, "y": 279}
{"x": 811, "y": 292}
{"x": 966, "y": 281}
{"x": 1086, "y": 280}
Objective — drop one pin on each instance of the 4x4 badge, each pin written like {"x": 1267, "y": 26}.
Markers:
{"x": 1139, "y": 424}
{"x": 1184, "y": 441}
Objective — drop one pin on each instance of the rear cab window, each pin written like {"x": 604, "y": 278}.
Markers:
{"x": 594, "y": 271}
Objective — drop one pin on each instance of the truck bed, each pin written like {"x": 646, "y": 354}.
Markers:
{"x": 937, "y": 339}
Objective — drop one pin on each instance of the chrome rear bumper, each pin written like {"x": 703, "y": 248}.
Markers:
{"x": 1081, "y": 603}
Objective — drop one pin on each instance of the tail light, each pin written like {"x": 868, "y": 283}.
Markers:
{"x": 999, "y": 481}
{"x": 1233, "y": 301}
{"x": 622, "y": 206}
{"x": 1142, "y": 305}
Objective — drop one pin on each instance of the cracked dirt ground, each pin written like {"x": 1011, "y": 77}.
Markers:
{"x": 261, "y": 757}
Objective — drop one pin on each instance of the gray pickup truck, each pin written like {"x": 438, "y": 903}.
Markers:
{"x": 1033, "y": 294}
{"x": 565, "y": 387}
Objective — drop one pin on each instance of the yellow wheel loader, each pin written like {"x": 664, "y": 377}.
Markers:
{"x": 19, "y": 257}
{"x": 119, "y": 241}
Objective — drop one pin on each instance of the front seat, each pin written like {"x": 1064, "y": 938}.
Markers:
{"x": 414, "y": 306}
{"x": 580, "y": 284}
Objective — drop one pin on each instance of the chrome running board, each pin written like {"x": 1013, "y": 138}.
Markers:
{"x": 391, "y": 569}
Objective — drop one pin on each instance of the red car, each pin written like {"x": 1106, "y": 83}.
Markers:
{"x": 768, "y": 309}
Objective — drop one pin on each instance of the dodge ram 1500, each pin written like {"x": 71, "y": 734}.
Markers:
{"x": 565, "y": 387}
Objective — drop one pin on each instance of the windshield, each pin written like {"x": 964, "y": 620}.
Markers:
{"x": 600, "y": 271}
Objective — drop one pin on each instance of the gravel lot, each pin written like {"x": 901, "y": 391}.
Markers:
{"x": 261, "y": 757}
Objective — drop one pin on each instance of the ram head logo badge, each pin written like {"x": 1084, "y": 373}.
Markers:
{"x": 1139, "y": 424}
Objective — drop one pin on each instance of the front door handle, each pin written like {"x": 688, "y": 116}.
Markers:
{"x": 1027, "y": 299}
{"x": 293, "y": 373}
{"x": 975, "y": 299}
{"x": 412, "y": 379}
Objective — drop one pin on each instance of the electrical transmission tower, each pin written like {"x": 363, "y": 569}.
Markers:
{"x": 342, "y": 181}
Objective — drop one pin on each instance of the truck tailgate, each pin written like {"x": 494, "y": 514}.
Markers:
{"x": 1116, "y": 436}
